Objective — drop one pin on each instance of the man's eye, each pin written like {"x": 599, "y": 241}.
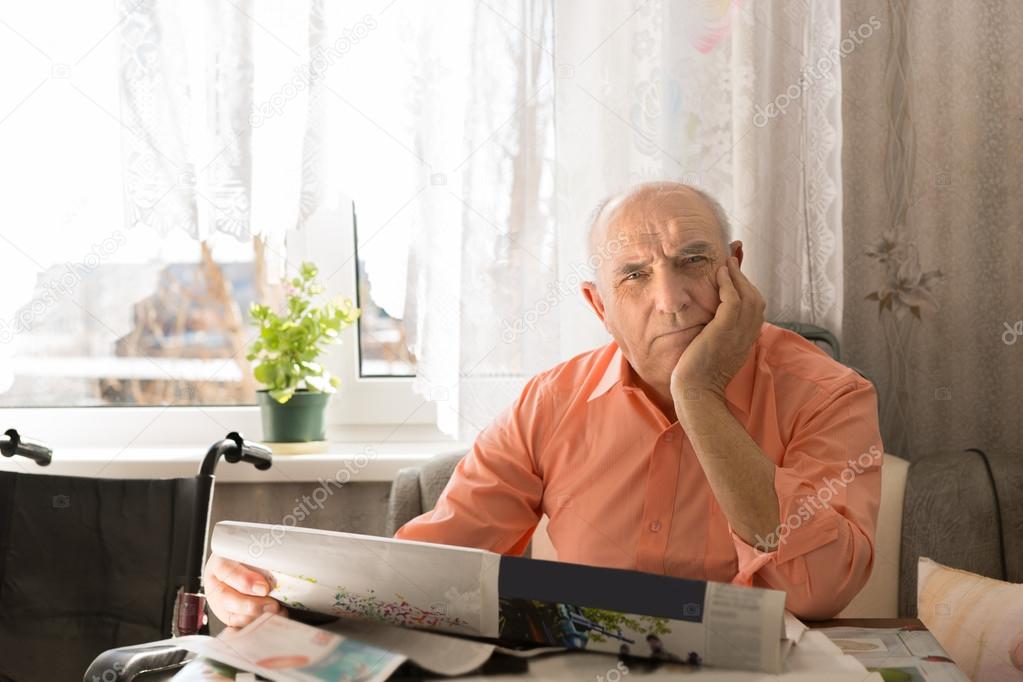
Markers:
{"x": 633, "y": 276}
{"x": 695, "y": 260}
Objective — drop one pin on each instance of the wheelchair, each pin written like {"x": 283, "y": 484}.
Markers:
{"x": 93, "y": 564}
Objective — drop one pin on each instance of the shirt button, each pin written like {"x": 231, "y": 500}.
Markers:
{"x": 655, "y": 526}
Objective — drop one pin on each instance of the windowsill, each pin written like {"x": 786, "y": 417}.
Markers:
{"x": 366, "y": 453}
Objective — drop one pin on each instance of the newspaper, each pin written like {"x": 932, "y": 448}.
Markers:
{"x": 908, "y": 654}
{"x": 515, "y": 601}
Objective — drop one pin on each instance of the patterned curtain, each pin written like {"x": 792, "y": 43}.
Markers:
{"x": 933, "y": 242}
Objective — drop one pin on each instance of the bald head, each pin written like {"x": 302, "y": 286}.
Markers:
{"x": 649, "y": 203}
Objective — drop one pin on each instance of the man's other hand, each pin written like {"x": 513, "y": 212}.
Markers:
{"x": 236, "y": 593}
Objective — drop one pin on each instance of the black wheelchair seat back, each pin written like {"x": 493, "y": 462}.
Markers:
{"x": 87, "y": 564}
{"x": 93, "y": 564}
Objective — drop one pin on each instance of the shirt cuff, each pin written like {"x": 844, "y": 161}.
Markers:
{"x": 804, "y": 527}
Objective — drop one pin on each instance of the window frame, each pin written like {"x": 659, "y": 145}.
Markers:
{"x": 358, "y": 303}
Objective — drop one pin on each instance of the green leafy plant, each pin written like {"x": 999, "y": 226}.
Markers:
{"x": 289, "y": 343}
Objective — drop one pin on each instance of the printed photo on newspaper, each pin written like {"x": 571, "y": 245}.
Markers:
{"x": 908, "y": 654}
{"x": 512, "y": 600}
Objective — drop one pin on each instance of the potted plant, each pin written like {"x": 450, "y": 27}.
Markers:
{"x": 293, "y": 404}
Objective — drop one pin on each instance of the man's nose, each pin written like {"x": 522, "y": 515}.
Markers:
{"x": 671, "y": 292}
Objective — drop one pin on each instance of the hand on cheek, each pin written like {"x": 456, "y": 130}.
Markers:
{"x": 720, "y": 349}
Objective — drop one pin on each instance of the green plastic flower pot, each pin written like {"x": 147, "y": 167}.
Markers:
{"x": 300, "y": 420}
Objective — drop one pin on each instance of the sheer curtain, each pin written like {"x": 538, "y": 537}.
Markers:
{"x": 476, "y": 138}
{"x": 567, "y": 105}
{"x": 441, "y": 129}
{"x": 216, "y": 101}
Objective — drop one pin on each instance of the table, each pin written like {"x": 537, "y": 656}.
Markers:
{"x": 605, "y": 668}
{"x": 865, "y": 623}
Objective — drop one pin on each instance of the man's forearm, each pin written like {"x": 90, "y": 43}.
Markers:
{"x": 739, "y": 473}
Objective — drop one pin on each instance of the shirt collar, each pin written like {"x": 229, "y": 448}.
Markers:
{"x": 739, "y": 391}
{"x": 617, "y": 371}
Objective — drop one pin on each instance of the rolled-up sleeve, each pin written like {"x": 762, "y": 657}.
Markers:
{"x": 829, "y": 488}
{"x": 493, "y": 499}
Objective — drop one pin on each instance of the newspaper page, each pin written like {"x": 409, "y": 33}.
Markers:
{"x": 415, "y": 584}
{"x": 434, "y": 652}
{"x": 908, "y": 654}
{"x": 476, "y": 593}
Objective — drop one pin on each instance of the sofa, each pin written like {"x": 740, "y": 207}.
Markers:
{"x": 962, "y": 509}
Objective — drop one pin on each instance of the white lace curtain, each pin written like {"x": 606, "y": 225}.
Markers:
{"x": 217, "y": 111}
{"x": 476, "y": 139}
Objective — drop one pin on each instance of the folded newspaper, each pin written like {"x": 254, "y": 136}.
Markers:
{"x": 508, "y": 599}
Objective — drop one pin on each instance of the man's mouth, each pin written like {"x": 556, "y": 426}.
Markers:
{"x": 695, "y": 327}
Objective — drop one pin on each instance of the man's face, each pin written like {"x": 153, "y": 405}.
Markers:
{"x": 657, "y": 291}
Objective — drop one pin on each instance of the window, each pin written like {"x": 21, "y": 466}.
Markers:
{"x": 383, "y": 347}
{"x": 95, "y": 312}
{"x": 138, "y": 319}
{"x": 100, "y": 312}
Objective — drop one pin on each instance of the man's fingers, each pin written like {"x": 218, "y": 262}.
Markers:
{"x": 239, "y": 576}
{"x": 746, "y": 288}
{"x": 235, "y": 620}
{"x": 235, "y": 609}
{"x": 236, "y": 593}
{"x": 228, "y": 599}
{"x": 753, "y": 304}
{"x": 730, "y": 301}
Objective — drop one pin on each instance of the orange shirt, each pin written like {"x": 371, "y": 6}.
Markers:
{"x": 623, "y": 488}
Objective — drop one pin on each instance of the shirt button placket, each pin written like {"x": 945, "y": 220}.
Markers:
{"x": 662, "y": 478}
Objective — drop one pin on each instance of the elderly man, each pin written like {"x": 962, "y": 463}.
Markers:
{"x": 701, "y": 442}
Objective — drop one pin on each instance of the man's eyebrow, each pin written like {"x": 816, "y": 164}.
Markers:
{"x": 697, "y": 248}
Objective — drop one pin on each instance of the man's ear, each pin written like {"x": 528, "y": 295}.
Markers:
{"x": 735, "y": 249}
{"x": 592, "y": 296}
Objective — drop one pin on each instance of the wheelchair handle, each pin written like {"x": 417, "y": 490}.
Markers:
{"x": 13, "y": 443}
{"x": 190, "y": 602}
{"x": 256, "y": 454}
{"x": 234, "y": 449}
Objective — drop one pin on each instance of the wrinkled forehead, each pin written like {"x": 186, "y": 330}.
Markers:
{"x": 655, "y": 219}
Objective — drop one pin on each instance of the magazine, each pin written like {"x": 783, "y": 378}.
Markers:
{"x": 285, "y": 651}
{"x": 513, "y": 600}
